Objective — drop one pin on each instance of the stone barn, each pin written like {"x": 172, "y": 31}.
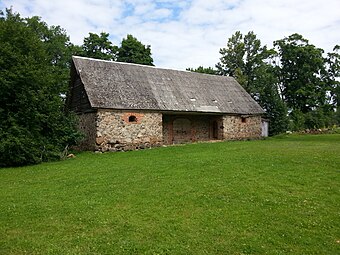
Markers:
{"x": 125, "y": 106}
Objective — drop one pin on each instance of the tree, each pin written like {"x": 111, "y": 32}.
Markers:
{"x": 232, "y": 56}
{"x": 34, "y": 127}
{"x": 265, "y": 84}
{"x": 245, "y": 59}
{"x": 304, "y": 81}
{"x": 99, "y": 47}
{"x": 300, "y": 71}
{"x": 133, "y": 51}
{"x": 332, "y": 79}
{"x": 201, "y": 69}
{"x": 58, "y": 48}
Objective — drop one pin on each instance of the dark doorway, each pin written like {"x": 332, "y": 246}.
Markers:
{"x": 215, "y": 129}
{"x": 184, "y": 128}
{"x": 181, "y": 130}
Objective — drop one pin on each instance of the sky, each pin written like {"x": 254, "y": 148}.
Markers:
{"x": 189, "y": 33}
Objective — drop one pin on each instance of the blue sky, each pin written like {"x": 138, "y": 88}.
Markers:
{"x": 189, "y": 33}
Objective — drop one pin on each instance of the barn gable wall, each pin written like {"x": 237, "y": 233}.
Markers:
{"x": 77, "y": 99}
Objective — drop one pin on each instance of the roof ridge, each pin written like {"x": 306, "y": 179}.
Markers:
{"x": 125, "y": 63}
{"x": 147, "y": 66}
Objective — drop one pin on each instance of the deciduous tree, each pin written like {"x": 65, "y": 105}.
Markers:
{"x": 307, "y": 84}
{"x": 133, "y": 51}
{"x": 34, "y": 127}
{"x": 99, "y": 47}
{"x": 333, "y": 80}
{"x": 301, "y": 68}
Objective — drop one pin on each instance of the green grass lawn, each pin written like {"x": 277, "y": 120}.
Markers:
{"x": 277, "y": 196}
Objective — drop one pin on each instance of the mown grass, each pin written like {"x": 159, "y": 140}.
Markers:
{"x": 278, "y": 196}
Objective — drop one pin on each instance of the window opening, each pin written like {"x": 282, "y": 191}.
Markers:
{"x": 132, "y": 118}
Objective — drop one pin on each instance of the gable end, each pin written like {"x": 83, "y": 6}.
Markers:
{"x": 78, "y": 100}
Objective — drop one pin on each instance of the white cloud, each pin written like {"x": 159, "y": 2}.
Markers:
{"x": 144, "y": 8}
{"x": 189, "y": 33}
{"x": 160, "y": 14}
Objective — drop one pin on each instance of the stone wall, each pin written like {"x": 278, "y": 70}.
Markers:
{"x": 87, "y": 126}
{"x": 238, "y": 127}
{"x": 125, "y": 130}
{"x": 113, "y": 130}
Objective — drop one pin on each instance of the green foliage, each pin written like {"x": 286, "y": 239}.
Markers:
{"x": 332, "y": 79}
{"x": 133, "y": 51}
{"x": 308, "y": 82}
{"x": 301, "y": 67}
{"x": 297, "y": 121}
{"x": 57, "y": 46}
{"x": 303, "y": 81}
{"x": 268, "y": 97}
{"x": 33, "y": 70}
{"x": 99, "y": 47}
{"x": 18, "y": 147}
{"x": 232, "y": 56}
{"x": 201, "y": 69}
{"x": 277, "y": 196}
{"x": 337, "y": 116}
{"x": 315, "y": 119}
{"x": 245, "y": 59}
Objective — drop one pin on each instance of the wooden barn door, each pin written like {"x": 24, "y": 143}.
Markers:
{"x": 181, "y": 130}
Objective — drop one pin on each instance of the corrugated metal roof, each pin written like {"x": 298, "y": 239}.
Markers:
{"x": 118, "y": 85}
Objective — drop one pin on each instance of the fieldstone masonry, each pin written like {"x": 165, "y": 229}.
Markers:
{"x": 119, "y": 130}
{"x": 87, "y": 125}
{"x": 239, "y": 128}
{"x": 122, "y": 130}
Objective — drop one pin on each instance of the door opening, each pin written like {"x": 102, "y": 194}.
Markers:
{"x": 215, "y": 129}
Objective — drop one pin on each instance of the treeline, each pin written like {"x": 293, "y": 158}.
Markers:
{"x": 34, "y": 77}
{"x": 294, "y": 82}
{"x": 296, "y": 85}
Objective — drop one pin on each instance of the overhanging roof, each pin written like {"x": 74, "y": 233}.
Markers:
{"x": 116, "y": 85}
